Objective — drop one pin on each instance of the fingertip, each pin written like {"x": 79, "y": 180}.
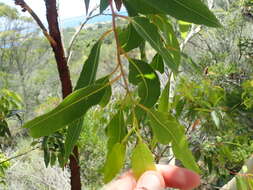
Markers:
{"x": 176, "y": 177}
{"x": 150, "y": 180}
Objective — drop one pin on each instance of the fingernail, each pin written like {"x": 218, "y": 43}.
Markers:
{"x": 150, "y": 181}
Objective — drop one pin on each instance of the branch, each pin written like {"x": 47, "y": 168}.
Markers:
{"x": 231, "y": 185}
{"x": 25, "y": 7}
{"x": 74, "y": 37}
{"x": 22, "y": 154}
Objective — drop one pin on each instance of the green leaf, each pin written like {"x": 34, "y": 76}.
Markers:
{"x": 184, "y": 28}
{"x": 89, "y": 70}
{"x": 87, "y": 3}
{"x": 169, "y": 35}
{"x": 73, "y": 133}
{"x": 114, "y": 162}
{"x": 116, "y": 130}
{"x": 142, "y": 74}
{"x": 71, "y": 108}
{"x": 103, "y": 5}
{"x": 142, "y": 160}
{"x": 215, "y": 118}
{"x": 157, "y": 63}
{"x": 129, "y": 38}
{"x": 186, "y": 10}
{"x": 163, "y": 105}
{"x": 108, "y": 90}
{"x": 167, "y": 130}
{"x": 149, "y": 32}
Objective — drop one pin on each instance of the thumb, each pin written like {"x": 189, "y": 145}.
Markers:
{"x": 150, "y": 180}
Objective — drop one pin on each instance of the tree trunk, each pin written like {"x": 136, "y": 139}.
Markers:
{"x": 63, "y": 70}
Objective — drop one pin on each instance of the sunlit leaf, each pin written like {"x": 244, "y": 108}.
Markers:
{"x": 89, "y": 70}
{"x": 142, "y": 74}
{"x": 184, "y": 28}
{"x": 169, "y": 35}
{"x": 71, "y": 108}
{"x": 186, "y": 10}
{"x": 150, "y": 33}
{"x": 142, "y": 160}
{"x": 167, "y": 130}
{"x": 129, "y": 38}
{"x": 114, "y": 162}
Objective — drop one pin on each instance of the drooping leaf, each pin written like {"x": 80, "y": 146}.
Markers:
{"x": 167, "y": 130}
{"x": 129, "y": 38}
{"x": 118, "y": 4}
{"x": 87, "y": 4}
{"x": 103, "y": 5}
{"x": 169, "y": 36}
{"x": 142, "y": 74}
{"x": 108, "y": 90}
{"x": 89, "y": 70}
{"x": 150, "y": 33}
{"x": 116, "y": 130}
{"x": 46, "y": 151}
{"x": 71, "y": 108}
{"x": 163, "y": 104}
{"x": 157, "y": 63}
{"x": 142, "y": 160}
{"x": 114, "y": 162}
{"x": 186, "y": 10}
{"x": 73, "y": 133}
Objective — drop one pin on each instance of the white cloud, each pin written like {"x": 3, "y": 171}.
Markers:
{"x": 67, "y": 8}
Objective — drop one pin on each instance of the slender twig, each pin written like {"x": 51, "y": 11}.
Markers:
{"x": 19, "y": 155}
{"x": 74, "y": 37}
{"x": 25, "y": 7}
{"x": 114, "y": 15}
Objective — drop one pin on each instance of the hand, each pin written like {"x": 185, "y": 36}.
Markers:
{"x": 165, "y": 176}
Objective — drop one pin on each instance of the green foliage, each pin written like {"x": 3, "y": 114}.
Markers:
{"x": 3, "y": 167}
{"x": 142, "y": 160}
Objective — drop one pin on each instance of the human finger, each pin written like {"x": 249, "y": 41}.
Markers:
{"x": 177, "y": 177}
{"x": 124, "y": 182}
{"x": 150, "y": 180}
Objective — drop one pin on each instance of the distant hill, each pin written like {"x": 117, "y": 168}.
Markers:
{"x": 76, "y": 21}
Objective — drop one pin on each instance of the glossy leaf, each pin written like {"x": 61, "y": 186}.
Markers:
{"x": 157, "y": 63}
{"x": 114, "y": 162}
{"x": 103, "y": 5}
{"x": 116, "y": 130}
{"x": 71, "y": 108}
{"x": 89, "y": 70}
{"x": 168, "y": 130}
{"x": 142, "y": 160}
{"x": 87, "y": 4}
{"x": 149, "y": 32}
{"x": 186, "y": 10}
{"x": 142, "y": 74}
{"x": 129, "y": 38}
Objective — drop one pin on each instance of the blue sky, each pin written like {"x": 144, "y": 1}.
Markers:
{"x": 67, "y": 9}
